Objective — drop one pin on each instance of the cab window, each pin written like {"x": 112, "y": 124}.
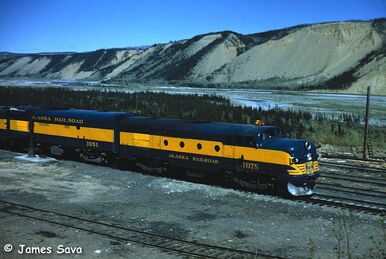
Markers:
{"x": 246, "y": 141}
{"x": 266, "y": 135}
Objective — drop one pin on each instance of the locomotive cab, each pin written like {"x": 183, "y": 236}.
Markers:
{"x": 267, "y": 134}
{"x": 302, "y": 169}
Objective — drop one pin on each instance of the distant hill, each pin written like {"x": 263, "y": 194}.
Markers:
{"x": 338, "y": 55}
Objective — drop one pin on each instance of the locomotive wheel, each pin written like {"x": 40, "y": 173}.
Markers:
{"x": 152, "y": 166}
{"x": 93, "y": 156}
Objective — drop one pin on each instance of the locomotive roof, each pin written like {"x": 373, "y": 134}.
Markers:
{"x": 207, "y": 128}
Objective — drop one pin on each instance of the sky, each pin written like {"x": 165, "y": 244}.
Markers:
{"x": 28, "y": 26}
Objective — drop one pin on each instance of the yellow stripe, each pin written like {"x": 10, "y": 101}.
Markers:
{"x": 300, "y": 169}
{"x": 208, "y": 148}
{"x": 262, "y": 155}
{"x": 316, "y": 166}
{"x": 106, "y": 135}
{"x": 18, "y": 125}
{"x": 3, "y": 124}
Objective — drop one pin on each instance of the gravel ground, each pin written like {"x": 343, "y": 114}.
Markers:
{"x": 190, "y": 211}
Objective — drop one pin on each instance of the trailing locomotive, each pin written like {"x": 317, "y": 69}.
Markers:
{"x": 253, "y": 156}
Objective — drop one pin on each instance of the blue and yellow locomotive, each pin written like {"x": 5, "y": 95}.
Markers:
{"x": 252, "y": 156}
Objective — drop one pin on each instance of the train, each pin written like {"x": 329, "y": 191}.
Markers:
{"x": 253, "y": 156}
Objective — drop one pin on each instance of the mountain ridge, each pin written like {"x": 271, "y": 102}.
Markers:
{"x": 336, "y": 55}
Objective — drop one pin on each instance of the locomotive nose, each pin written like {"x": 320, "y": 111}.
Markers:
{"x": 299, "y": 150}
{"x": 303, "y": 154}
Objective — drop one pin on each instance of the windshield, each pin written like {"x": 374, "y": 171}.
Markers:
{"x": 267, "y": 134}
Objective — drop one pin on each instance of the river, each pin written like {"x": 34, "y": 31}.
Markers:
{"x": 331, "y": 104}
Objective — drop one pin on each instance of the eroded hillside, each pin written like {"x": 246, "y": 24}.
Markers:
{"x": 339, "y": 55}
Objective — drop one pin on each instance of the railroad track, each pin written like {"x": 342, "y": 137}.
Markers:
{"x": 348, "y": 203}
{"x": 374, "y": 159}
{"x": 352, "y": 190}
{"x": 124, "y": 234}
{"x": 354, "y": 178}
{"x": 341, "y": 165}
{"x": 354, "y": 198}
{"x": 351, "y": 197}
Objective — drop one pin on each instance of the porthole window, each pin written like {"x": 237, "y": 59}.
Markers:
{"x": 166, "y": 142}
{"x": 217, "y": 148}
{"x": 182, "y": 144}
{"x": 199, "y": 146}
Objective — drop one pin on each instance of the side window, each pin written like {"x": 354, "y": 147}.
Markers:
{"x": 265, "y": 135}
{"x": 250, "y": 141}
{"x": 239, "y": 141}
{"x": 246, "y": 141}
{"x": 268, "y": 135}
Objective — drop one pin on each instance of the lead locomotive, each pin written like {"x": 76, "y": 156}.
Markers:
{"x": 253, "y": 156}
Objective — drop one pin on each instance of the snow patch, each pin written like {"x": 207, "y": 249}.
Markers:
{"x": 35, "y": 159}
{"x": 169, "y": 186}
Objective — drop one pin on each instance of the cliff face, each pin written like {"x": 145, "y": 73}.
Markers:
{"x": 324, "y": 55}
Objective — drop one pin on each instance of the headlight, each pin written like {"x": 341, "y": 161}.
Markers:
{"x": 309, "y": 157}
{"x": 295, "y": 160}
{"x": 307, "y": 145}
